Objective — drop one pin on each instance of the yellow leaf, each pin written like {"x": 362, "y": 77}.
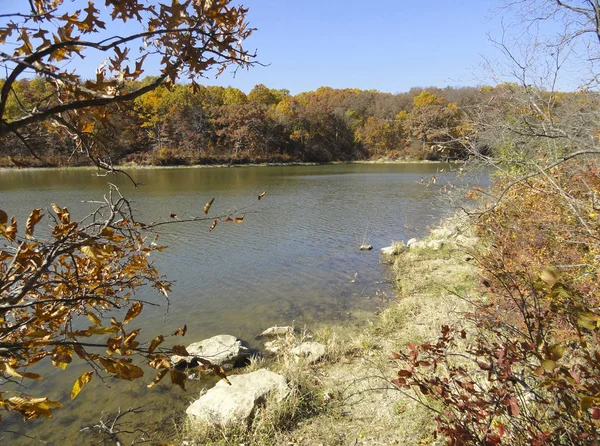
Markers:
{"x": 6, "y": 369}
{"x": 33, "y": 220}
{"x": 102, "y": 330}
{"x": 239, "y": 219}
{"x": 81, "y": 381}
{"x": 155, "y": 343}
{"x": 95, "y": 319}
{"x": 261, "y": 196}
{"x": 161, "y": 374}
{"x": 208, "y": 205}
{"x": 134, "y": 310}
{"x": 10, "y": 233}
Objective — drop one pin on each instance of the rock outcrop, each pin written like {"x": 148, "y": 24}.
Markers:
{"x": 227, "y": 404}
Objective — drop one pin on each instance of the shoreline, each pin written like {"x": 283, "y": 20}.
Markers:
{"x": 219, "y": 166}
{"x": 348, "y": 398}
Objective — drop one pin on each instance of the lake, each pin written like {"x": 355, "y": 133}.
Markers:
{"x": 294, "y": 259}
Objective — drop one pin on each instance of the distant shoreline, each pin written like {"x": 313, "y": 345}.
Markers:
{"x": 204, "y": 166}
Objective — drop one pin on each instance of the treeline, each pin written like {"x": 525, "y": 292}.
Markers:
{"x": 180, "y": 125}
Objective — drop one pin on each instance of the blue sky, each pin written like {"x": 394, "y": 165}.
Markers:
{"x": 388, "y": 45}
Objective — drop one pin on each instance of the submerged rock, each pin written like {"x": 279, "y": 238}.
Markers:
{"x": 366, "y": 247}
{"x": 277, "y": 331}
{"x": 312, "y": 351}
{"x": 222, "y": 350}
{"x": 226, "y": 404}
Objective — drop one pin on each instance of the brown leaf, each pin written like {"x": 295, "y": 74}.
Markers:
{"x": 179, "y": 350}
{"x": 208, "y": 205}
{"x": 174, "y": 216}
{"x": 62, "y": 356}
{"x": 180, "y": 331}
{"x": 239, "y": 219}
{"x": 3, "y": 218}
{"x": 261, "y": 196}
{"x": 178, "y": 378}
{"x": 81, "y": 381}
{"x": 214, "y": 223}
{"x": 10, "y": 233}
{"x": 34, "y": 219}
{"x": 218, "y": 370}
{"x": 134, "y": 310}
{"x": 155, "y": 343}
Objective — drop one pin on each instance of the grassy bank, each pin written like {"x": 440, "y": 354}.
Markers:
{"x": 347, "y": 399}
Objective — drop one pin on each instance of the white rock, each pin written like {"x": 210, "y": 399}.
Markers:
{"x": 412, "y": 241}
{"x": 277, "y": 331}
{"x": 226, "y": 404}
{"x": 274, "y": 347}
{"x": 366, "y": 247}
{"x": 435, "y": 244}
{"x": 312, "y": 351}
{"x": 388, "y": 251}
{"x": 223, "y": 350}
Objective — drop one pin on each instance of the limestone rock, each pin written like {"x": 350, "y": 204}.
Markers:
{"x": 274, "y": 347}
{"x": 388, "y": 251}
{"x": 222, "y": 350}
{"x": 412, "y": 241}
{"x": 226, "y": 404}
{"x": 277, "y": 331}
{"x": 312, "y": 351}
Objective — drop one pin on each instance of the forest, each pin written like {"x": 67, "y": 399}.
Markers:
{"x": 184, "y": 125}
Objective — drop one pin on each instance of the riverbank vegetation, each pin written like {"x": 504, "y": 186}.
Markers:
{"x": 188, "y": 125}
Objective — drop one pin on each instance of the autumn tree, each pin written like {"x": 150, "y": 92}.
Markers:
{"x": 529, "y": 371}
{"x": 187, "y": 38}
{"x": 88, "y": 269}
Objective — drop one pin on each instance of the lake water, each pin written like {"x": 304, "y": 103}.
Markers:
{"x": 294, "y": 259}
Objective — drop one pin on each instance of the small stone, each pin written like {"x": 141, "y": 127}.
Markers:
{"x": 366, "y": 247}
{"x": 412, "y": 241}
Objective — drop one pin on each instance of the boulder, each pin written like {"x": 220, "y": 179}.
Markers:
{"x": 222, "y": 350}
{"x": 312, "y": 351}
{"x": 227, "y": 404}
{"x": 277, "y": 331}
